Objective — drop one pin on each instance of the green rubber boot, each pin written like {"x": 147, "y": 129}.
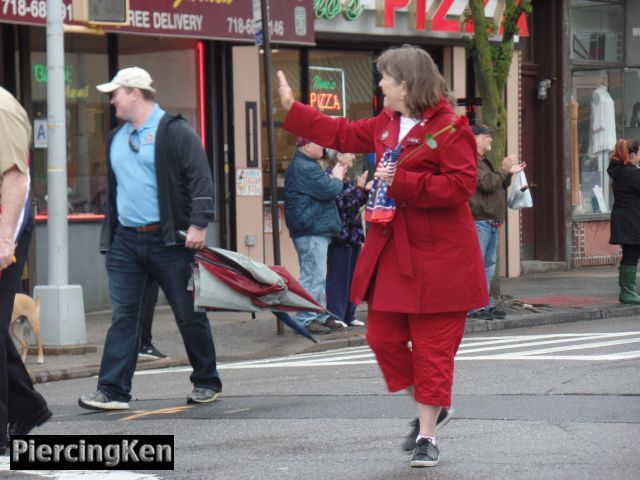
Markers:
{"x": 627, "y": 281}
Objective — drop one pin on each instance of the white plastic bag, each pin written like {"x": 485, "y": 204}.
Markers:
{"x": 520, "y": 194}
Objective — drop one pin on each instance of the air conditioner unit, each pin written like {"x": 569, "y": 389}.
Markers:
{"x": 101, "y": 12}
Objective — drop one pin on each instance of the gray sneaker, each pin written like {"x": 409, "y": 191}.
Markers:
{"x": 426, "y": 454}
{"x": 99, "y": 401}
{"x": 334, "y": 324}
{"x": 203, "y": 395}
{"x": 316, "y": 327}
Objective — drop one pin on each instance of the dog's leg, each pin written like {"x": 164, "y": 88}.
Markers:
{"x": 35, "y": 328}
{"x": 16, "y": 331}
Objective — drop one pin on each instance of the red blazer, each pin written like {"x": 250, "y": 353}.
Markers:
{"x": 428, "y": 258}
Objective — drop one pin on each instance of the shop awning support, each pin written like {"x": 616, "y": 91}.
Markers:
{"x": 275, "y": 218}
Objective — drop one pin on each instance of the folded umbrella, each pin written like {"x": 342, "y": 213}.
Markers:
{"x": 223, "y": 280}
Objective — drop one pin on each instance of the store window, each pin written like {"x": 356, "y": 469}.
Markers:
{"x": 597, "y": 31}
{"x": 173, "y": 66}
{"x": 87, "y": 119}
{"x": 289, "y": 62}
{"x": 598, "y": 97}
{"x": 600, "y": 109}
{"x": 341, "y": 84}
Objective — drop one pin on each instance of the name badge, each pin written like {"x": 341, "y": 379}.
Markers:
{"x": 149, "y": 138}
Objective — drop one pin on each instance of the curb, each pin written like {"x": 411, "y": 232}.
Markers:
{"x": 356, "y": 340}
{"x": 84, "y": 371}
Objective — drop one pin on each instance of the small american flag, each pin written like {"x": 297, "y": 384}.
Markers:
{"x": 380, "y": 208}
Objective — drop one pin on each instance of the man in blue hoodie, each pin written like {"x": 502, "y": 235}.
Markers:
{"x": 312, "y": 218}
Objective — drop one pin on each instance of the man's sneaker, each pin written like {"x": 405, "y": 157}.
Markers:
{"x": 316, "y": 327}
{"x": 334, "y": 324}
{"x": 356, "y": 323}
{"x": 202, "y": 395}
{"x": 23, "y": 427}
{"x": 150, "y": 351}
{"x": 99, "y": 401}
{"x": 443, "y": 418}
{"x": 426, "y": 454}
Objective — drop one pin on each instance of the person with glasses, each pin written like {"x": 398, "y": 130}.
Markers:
{"x": 159, "y": 182}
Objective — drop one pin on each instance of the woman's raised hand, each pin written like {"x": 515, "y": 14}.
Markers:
{"x": 285, "y": 91}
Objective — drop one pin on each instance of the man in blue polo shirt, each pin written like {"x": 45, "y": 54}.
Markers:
{"x": 159, "y": 182}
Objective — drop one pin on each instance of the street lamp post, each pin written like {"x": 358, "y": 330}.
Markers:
{"x": 62, "y": 311}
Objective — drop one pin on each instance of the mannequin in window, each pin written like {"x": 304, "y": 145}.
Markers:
{"x": 603, "y": 122}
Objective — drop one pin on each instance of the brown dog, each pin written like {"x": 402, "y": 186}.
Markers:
{"x": 24, "y": 308}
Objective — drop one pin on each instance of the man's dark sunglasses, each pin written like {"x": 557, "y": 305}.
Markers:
{"x": 134, "y": 141}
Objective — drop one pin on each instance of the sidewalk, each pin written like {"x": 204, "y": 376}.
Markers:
{"x": 537, "y": 299}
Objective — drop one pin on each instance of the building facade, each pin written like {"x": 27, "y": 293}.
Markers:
{"x": 206, "y": 67}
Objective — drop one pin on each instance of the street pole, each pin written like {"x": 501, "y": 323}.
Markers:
{"x": 275, "y": 218}
{"x": 57, "y": 148}
{"x": 62, "y": 305}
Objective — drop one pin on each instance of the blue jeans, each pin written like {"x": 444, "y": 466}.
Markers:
{"x": 135, "y": 258}
{"x": 488, "y": 236}
{"x": 312, "y": 255}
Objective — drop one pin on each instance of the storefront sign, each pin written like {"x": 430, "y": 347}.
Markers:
{"x": 248, "y": 182}
{"x": 429, "y": 15}
{"x": 290, "y": 22}
{"x": 329, "y": 9}
{"x": 327, "y": 90}
{"x": 633, "y": 34}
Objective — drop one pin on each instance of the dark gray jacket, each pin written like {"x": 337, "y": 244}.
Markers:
{"x": 185, "y": 188}
{"x": 310, "y": 199}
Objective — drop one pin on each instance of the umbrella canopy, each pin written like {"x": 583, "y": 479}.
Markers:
{"x": 229, "y": 281}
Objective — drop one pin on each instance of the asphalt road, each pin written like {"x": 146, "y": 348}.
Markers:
{"x": 554, "y": 402}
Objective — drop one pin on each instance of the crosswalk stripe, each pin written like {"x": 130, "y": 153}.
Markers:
{"x": 569, "y": 348}
{"x": 508, "y": 347}
{"x": 80, "y": 474}
{"x": 545, "y": 342}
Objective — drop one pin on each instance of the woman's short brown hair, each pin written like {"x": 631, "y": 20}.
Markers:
{"x": 414, "y": 66}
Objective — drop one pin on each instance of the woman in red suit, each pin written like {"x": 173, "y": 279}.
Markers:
{"x": 421, "y": 268}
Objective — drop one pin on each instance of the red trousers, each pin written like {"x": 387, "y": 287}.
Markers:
{"x": 428, "y": 363}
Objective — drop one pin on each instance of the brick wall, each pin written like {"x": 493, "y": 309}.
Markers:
{"x": 591, "y": 244}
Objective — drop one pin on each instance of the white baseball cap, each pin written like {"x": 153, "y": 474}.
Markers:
{"x": 134, "y": 77}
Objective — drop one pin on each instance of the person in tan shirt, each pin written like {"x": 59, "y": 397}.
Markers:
{"x": 21, "y": 407}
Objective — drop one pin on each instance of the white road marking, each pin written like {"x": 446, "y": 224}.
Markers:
{"x": 80, "y": 474}
{"x": 464, "y": 350}
{"x": 476, "y": 348}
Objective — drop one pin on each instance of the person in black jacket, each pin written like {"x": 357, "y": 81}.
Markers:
{"x": 625, "y": 215}
{"x": 159, "y": 183}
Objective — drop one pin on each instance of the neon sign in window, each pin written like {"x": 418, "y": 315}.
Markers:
{"x": 327, "y": 90}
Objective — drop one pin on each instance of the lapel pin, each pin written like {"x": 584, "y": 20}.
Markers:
{"x": 384, "y": 135}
